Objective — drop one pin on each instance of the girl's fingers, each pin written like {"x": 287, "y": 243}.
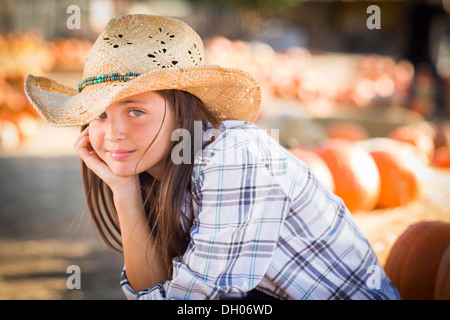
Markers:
{"x": 83, "y": 133}
{"x": 84, "y": 149}
{"x": 82, "y": 144}
{"x": 81, "y": 141}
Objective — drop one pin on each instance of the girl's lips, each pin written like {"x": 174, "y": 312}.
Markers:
{"x": 120, "y": 154}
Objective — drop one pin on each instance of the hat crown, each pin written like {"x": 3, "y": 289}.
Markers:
{"x": 143, "y": 43}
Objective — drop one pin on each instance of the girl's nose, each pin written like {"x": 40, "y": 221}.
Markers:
{"x": 115, "y": 129}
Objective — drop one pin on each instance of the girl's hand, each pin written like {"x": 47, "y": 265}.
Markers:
{"x": 84, "y": 149}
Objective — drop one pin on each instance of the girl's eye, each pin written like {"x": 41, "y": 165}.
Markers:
{"x": 102, "y": 116}
{"x": 136, "y": 113}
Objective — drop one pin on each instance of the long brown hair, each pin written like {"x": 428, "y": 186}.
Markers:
{"x": 163, "y": 198}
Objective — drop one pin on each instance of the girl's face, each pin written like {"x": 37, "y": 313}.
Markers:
{"x": 121, "y": 136}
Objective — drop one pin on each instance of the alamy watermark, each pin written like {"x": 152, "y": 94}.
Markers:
{"x": 74, "y": 20}
{"x": 374, "y": 20}
{"x": 374, "y": 279}
{"x": 74, "y": 280}
{"x": 182, "y": 151}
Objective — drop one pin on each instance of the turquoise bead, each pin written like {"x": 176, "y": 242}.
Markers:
{"x": 125, "y": 76}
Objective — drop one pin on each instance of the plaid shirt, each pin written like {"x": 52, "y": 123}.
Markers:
{"x": 263, "y": 221}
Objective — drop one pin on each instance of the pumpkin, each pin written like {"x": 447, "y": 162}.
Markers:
{"x": 287, "y": 89}
{"x": 397, "y": 166}
{"x": 416, "y": 136}
{"x": 355, "y": 174}
{"x": 399, "y": 183}
{"x": 442, "y": 157}
{"x": 317, "y": 166}
{"x": 26, "y": 124}
{"x": 404, "y": 74}
{"x": 348, "y": 130}
{"x": 414, "y": 259}
{"x": 442, "y": 283}
{"x": 9, "y": 135}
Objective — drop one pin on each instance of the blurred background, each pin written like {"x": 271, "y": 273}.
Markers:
{"x": 325, "y": 73}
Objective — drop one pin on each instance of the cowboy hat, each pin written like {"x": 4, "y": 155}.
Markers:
{"x": 139, "y": 53}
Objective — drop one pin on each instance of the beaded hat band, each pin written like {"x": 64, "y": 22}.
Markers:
{"x": 141, "y": 53}
{"x": 107, "y": 77}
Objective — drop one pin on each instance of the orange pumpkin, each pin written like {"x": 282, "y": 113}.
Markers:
{"x": 413, "y": 262}
{"x": 442, "y": 157}
{"x": 316, "y": 165}
{"x": 26, "y": 124}
{"x": 348, "y": 130}
{"x": 355, "y": 174}
{"x": 442, "y": 283}
{"x": 399, "y": 182}
{"x": 415, "y": 136}
{"x": 9, "y": 135}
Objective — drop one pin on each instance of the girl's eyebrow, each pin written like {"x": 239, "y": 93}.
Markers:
{"x": 128, "y": 101}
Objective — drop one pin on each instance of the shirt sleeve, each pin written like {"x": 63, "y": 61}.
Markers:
{"x": 240, "y": 209}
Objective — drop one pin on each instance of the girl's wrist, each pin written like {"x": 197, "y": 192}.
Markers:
{"x": 126, "y": 186}
{"x": 127, "y": 191}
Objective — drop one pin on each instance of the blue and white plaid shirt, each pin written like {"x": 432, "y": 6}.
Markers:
{"x": 263, "y": 221}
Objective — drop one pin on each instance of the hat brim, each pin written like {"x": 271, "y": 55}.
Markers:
{"x": 229, "y": 93}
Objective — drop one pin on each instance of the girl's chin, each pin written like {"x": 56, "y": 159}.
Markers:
{"x": 125, "y": 171}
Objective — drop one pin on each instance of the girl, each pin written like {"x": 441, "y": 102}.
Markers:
{"x": 238, "y": 215}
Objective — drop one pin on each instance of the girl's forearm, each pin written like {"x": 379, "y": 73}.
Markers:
{"x": 143, "y": 266}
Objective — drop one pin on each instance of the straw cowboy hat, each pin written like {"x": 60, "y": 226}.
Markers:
{"x": 139, "y": 53}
